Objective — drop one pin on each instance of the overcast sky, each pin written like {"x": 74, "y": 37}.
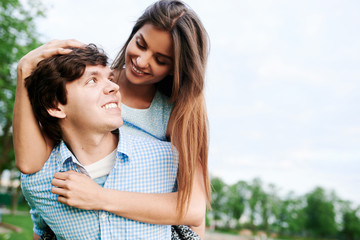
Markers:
{"x": 283, "y": 89}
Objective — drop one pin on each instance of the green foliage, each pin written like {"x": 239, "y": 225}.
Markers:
{"x": 351, "y": 224}
{"x": 320, "y": 214}
{"x": 316, "y": 215}
{"x": 291, "y": 218}
{"x": 18, "y": 36}
{"x": 218, "y": 197}
{"x": 256, "y": 193}
{"x": 237, "y": 200}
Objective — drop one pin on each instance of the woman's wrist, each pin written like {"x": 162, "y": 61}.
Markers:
{"x": 23, "y": 70}
{"x": 106, "y": 200}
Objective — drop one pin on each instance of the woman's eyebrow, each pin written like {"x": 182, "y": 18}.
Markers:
{"x": 143, "y": 39}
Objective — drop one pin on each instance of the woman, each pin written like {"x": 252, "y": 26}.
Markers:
{"x": 164, "y": 58}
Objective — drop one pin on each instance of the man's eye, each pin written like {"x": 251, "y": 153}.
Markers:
{"x": 91, "y": 81}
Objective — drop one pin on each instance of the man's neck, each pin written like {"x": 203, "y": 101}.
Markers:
{"x": 90, "y": 149}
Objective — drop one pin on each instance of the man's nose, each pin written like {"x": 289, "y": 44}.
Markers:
{"x": 111, "y": 87}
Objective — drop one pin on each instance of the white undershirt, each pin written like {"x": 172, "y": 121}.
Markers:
{"x": 102, "y": 167}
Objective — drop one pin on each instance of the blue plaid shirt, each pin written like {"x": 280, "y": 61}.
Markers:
{"x": 142, "y": 165}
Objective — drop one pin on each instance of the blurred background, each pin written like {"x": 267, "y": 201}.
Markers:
{"x": 282, "y": 93}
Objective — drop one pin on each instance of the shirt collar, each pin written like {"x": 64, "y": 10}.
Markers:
{"x": 65, "y": 154}
{"x": 124, "y": 147}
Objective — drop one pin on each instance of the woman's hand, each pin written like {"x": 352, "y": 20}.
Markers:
{"x": 77, "y": 190}
{"x": 28, "y": 62}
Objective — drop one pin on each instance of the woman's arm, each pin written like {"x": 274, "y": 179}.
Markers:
{"x": 200, "y": 230}
{"x": 78, "y": 190}
{"x": 155, "y": 208}
{"x": 26, "y": 131}
{"x": 158, "y": 208}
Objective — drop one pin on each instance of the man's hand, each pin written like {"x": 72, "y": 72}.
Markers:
{"x": 77, "y": 190}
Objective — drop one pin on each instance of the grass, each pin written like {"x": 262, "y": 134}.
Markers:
{"x": 22, "y": 221}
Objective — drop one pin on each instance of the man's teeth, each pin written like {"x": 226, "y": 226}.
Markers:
{"x": 136, "y": 70}
{"x": 110, "y": 105}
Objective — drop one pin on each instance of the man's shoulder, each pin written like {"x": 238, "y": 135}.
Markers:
{"x": 139, "y": 146}
{"x": 139, "y": 141}
{"x": 49, "y": 168}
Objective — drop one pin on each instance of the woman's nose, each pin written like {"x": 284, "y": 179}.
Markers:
{"x": 142, "y": 61}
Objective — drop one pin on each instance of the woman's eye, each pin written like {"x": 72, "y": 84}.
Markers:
{"x": 160, "y": 62}
{"x": 139, "y": 44}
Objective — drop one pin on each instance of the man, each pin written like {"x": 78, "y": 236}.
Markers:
{"x": 78, "y": 106}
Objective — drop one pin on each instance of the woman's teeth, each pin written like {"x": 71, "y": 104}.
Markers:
{"x": 136, "y": 70}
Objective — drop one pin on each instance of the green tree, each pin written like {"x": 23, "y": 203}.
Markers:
{"x": 320, "y": 214}
{"x": 256, "y": 192}
{"x": 265, "y": 206}
{"x": 219, "y": 199}
{"x": 270, "y": 207}
{"x": 351, "y": 222}
{"x": 237, "y": 201}
{"x": 291, "y": 218}
{"x": 18, "y": 36}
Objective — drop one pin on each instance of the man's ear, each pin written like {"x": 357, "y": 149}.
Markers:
{"x": 57, "y": 112}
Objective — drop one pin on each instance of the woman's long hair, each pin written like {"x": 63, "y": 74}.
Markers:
{"x": 189, "y": 124}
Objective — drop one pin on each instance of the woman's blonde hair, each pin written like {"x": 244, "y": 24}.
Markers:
{"x": 185, "y": 88}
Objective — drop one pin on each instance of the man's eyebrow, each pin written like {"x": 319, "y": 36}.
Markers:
{"x": 93, "y": 73}
{"x": 158, "y": 53}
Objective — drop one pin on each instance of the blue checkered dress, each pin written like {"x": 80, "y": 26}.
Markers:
{"x": 142, "y": 165}
{"x": 149, "y": 122}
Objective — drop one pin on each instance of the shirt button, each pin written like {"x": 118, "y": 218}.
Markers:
{"x": 103, "y": 215}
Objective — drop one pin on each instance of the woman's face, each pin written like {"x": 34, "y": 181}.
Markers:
{"x": 149, "y": 56}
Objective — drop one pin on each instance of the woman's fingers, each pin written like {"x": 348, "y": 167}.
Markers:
{"x": 62, "y": 200}
{"x": 58, "y": 183}
{"x": 64, "y": 43}
{"x": 76, "y": 189}
{"x": 55, "y": 47}
{"x": 59, "y": 191}
{"x": 66, "y": 175}
{"x": 28, "y": 62}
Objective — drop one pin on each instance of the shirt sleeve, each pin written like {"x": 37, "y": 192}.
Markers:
{"x": 40, "y": 225}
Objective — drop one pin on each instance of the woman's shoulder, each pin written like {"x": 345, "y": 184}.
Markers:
{"x": 161, "y": 100}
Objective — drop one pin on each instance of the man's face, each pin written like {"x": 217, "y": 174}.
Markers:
{"x": 93, "y": 101}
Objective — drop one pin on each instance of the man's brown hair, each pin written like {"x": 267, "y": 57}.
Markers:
{"x": 46, "y": 85}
